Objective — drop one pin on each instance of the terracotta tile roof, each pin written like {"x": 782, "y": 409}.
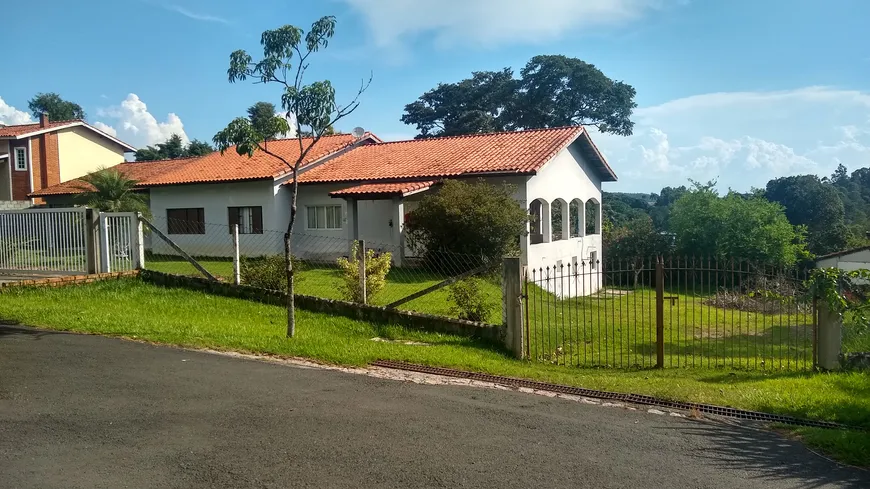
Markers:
{"x": 384, "y": 189}
{"x": 143, "y": 172}
{"x": 521, "y": 152}
{"x": 21, "y": 129}
{"x": 231, "y": 166}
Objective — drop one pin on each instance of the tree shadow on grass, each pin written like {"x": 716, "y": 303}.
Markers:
{"x": 770, "y": 457}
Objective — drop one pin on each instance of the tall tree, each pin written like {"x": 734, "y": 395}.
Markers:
{"x": 110, "y": 191}
{"x": 635, "y": 242}
{"x": 551, "y": 91}
{"x": 262, "y": 117}
{"x": 198, "y": 148}
{"x": 57, "y": 108}
{"x": 810, "y": 202}
{"x": 284, "y": 63}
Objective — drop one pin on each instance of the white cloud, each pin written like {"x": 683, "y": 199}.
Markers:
{"x": 742, "y": 139}
{"x": 106, "y": 128}
{"x": 135, "y": 125}
{"x": 491, "y": 22}
{"x": 196, "y": 15}
{"x": 9, "y": 115}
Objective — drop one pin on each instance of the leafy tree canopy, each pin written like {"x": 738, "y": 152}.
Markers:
{"x": 736, "y": 227}
{"x": 174, "y": 148}
{"x": 816, "y": 205}
{"x": 57, "y": 108}
{"x": 552, "y": 91}
{"x": 472, "y": 219}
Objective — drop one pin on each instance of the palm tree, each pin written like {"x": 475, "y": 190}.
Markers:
{"x": 110, "y": 191}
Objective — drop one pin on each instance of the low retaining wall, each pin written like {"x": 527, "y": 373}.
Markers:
{"x": 67, "y": 280}
{"x": 415, "y": 320}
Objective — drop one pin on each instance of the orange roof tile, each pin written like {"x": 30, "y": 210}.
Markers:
{"x": 399, "y": 188}
{"x": 142, "y": 172}
{"x": 231, "y": 166}
{"x": 521, "y": 152}
{"x": 21, "y": 129}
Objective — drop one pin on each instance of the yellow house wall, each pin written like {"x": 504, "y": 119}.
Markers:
{"x": 82, "y": 151}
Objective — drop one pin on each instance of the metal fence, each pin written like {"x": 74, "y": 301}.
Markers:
{"x": 38, "y": 240}
{"x": 317, "y": 260}
{"x": 674, "y": 312}
{"x": 120, "y": 233}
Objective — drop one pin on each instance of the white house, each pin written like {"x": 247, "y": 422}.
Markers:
{"x": 848, "y": 260}
{"x": 364, "y": 188}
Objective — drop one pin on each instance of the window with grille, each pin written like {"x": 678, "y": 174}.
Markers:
{"x": 186, "y": 221}
{"x": 324, "y": 217}
{"x": 20, "y": 159}
{"x": 249, "y": 219}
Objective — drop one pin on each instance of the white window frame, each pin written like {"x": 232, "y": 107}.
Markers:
{"x": 338, "y": 218}
{"x": 22, "y": 151}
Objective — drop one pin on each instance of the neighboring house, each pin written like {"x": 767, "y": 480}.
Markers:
{"x": 40, "y": 155}
{"x": 849, "y": 260}
{"x": 364, "y": 188}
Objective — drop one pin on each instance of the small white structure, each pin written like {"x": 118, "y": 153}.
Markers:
{"x": 848, "y": 260}
{"x": 353, "y": 188}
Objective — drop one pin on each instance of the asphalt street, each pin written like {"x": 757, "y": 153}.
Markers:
{"x": 81, "y": 411}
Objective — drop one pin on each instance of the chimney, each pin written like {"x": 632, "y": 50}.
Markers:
{"x": 43, "y": 120}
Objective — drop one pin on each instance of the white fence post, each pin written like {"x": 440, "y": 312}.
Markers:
{"x": 105, "y": 257}
{"x": 237, "y": 268}
{"x": 138, "y": 242}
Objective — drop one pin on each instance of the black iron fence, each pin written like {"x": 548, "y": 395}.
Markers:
{"x": 671, "y": 312}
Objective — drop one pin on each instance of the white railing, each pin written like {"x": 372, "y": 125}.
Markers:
{"x": 44, "y": 240}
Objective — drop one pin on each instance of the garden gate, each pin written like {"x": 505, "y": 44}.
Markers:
{"x": 670, "y": 312}
{"x": 68, "y": 241}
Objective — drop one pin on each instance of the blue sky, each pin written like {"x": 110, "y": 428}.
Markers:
{"x": 737, "y": 90}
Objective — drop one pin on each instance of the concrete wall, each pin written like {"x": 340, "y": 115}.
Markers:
{"x": 849, "y": 262}
{"x": 5, "y": 172}
{"x": 215, "y": 199}
{"x": 82, "y": 151}
{"x": 567, "y": 176}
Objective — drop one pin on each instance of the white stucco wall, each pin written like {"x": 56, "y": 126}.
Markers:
{"x": 215, "y": 199}
{"x": 567, "y": 176}
{"x": 81, "y": 151}
{"x": 849, "y": 262}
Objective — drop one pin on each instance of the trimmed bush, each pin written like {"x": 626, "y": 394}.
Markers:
{"x": 377, "y": 268}
{"x": 469, "y": 301}
{"x": 267, "y": 272}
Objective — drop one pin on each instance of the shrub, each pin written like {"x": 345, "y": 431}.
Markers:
{"x": 377, "y": 268}
{"x": 267, "y": 272}
{"x": 469, "y": 301}
{"x": 474, "y": 220}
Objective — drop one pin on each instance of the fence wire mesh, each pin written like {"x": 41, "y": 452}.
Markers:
{"x": 687, "y": 312}
{"x": 317, "y": 264}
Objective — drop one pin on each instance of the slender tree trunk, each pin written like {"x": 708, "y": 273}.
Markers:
{"x": 288, "y": 259}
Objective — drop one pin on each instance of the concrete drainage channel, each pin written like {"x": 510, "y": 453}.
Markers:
{"x": 611, "y": 396}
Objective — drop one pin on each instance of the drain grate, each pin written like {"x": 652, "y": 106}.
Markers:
{"x": 611, "y": 396}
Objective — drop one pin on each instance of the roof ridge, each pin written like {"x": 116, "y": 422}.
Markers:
{"x": 162, "y": 160}
{"x": 484, "y": 134}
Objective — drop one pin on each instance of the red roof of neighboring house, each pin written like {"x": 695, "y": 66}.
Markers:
{"x": 142, "y": 172}
{"x": 24, "y": 130}
{"x": 521, "y": 152}
{"x": 383, "y": 189}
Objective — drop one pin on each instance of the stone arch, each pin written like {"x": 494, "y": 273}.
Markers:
{"x": 539, "y": 221}
{"x": 559, "y": 220}
{"x": 577, "y": 213}
{"x": 593, "y": 216}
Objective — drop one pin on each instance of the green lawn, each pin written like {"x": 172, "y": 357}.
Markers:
{"x": 131, "y": 308}
{"x": 325, "y": 281}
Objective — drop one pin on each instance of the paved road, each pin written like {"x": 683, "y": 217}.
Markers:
{"x": 87, "y": 411}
